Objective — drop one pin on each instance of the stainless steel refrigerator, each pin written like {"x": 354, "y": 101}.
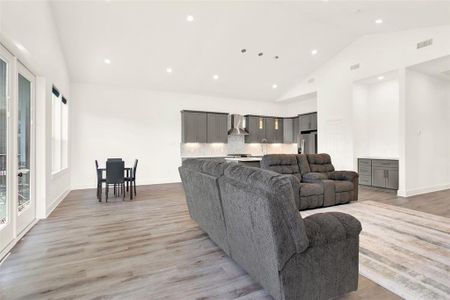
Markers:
{"x": 307, "y": 142}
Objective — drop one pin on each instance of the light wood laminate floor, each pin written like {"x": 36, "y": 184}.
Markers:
{"x": 148, "y": 248}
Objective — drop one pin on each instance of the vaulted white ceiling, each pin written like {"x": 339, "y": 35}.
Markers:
{"x": 142, "y": 39}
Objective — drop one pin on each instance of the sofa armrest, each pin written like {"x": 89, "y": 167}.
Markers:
{"x": 343, "y": 175}
{"x": 331, "y": 227}
{"x": 314, "y": 177}
{"x": 296, "y": 188}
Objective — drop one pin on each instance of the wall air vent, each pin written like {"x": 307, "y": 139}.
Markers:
{"x": 425, "y": 43}
{"x": 311, "y": 80}
{"x": 354, "y": 67}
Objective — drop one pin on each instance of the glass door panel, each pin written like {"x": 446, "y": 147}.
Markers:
{"x": 3, "y": 143}
{"x": 25, "y": 95}
{"x": 7, "y": 216}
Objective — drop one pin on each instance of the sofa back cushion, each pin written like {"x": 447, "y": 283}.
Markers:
{"x": 282, "y": 164}
{"x": 303, "y": 164}
{"x": 264, "y": 228}
{"x": 200, "y": 182}
{"x": 320, "y": 163}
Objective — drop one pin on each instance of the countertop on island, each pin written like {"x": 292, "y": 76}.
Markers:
{"x": 254, "y": 158}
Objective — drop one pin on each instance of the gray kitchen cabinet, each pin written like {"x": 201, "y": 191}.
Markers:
{"x": 255, "y": 125}
{"x": 288, "y": 130}
{"x": 382, "y": 173}
{"x": 378, "y": 177}
{"x": 269, "y": 129}
{"x": 193, "y": 127}
{"x": 296, "y": 129}
{"x": 392, "y": 179}
{"x": 308, "y": 122}
{"x": 278, "y": 133}
{"x": 217, "y": 128}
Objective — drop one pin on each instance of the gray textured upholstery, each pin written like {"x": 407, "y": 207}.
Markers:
{"x": 320, "y": 163}
{"x": 200, "y": 182}
{"x": 320, "y": 184}
{"x": 281, "y": 163}
{"x": 291, "y": 257}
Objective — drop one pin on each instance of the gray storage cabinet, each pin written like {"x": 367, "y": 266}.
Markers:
{"x": 217, "y": 128}
{"x": 308, "y": 122}
{"x": 204, "y": 127}
{"x": 256, "y": 132}
{"x": 193, "y": 127}
{"x": 382, "y": 173}
{"x": 278, "y": 136}
{"x": 288, "y": 131}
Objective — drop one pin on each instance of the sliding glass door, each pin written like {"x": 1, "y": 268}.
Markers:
{"x": 17, "y": 201}
{"x": 26, "y": 206}
{"x": 7, "y": 216}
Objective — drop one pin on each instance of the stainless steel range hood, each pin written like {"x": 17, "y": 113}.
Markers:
{"x": 237, "y": 125}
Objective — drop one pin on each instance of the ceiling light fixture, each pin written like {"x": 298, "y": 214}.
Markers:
{"x": 378, "y": 21}
{"x": 215, "y": 76}
{"x": 260, "y": 54}
{"x": 274, "y": 86}
{"x": 190, "y": 18}
{"x": 243, "y": 51}
{"x": 169, "y": 70}
{"x": 107, "y": 61}
{"x": 276, "y": 57}
{"x": 314, "y": 52}
{"x": 380, "y": 77}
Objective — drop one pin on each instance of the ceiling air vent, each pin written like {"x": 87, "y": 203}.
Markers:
{"x": 311, "y": 80}
{"x": 425, "y": 43}
{"x": 354, "y": 67}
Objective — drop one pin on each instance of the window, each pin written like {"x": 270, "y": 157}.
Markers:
{"x": 59, "y": 131}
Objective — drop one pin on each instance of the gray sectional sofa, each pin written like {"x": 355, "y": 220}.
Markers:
{"x": 318, "y": 184}
{"x": 251, "y": 214}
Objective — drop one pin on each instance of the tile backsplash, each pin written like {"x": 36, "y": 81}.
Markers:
{"x": 236, "y": 145}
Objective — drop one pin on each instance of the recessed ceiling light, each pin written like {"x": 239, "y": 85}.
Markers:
{"x": 169, "y": 70}
{"x": 274, "y": 86}
{"x": 380, "y": 77}
{"x": 215, "y": 76}
{"x": 379, "y": 21}
{"x": 107, "y": 61}
{"x": 314, "y": 52}
{"x": 260, "y": 54}
{"x": 276, "y": 57}
{"x": 20, "y": 47}
{"x": 243, "y": 50}
{"x": 190, "y": 18}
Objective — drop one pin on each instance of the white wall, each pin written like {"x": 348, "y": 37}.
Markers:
{"x": 293, "y": 108}
{"x": 110, "y": 121}
{"x": 30, "y": 24}
{"x": 376, "y": 119}
{"x": 333, "y": 81}
{"x": 427, "y": 133}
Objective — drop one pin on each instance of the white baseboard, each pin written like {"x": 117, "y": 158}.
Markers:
{"x": 56, "y": 202}
{"x": 424, "y": 190}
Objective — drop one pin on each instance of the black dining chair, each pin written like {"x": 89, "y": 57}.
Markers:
{"x": 115, "y": 176}
{"x": 111, "y": 159}
{"x": 100, "y": 181}
{"x": 131, "y": 179}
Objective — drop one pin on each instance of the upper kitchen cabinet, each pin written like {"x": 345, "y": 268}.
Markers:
{"x": 204, "y": 127}
{"x": 277, "y": 131}
{"x": 308, "y": 122}
{"x": 264, "y": 129}
{"x": 217, "y": 128}
{"x": 290, "y": 130}
{"x": 193, "y": 127}
{"x": 256, "y": 127}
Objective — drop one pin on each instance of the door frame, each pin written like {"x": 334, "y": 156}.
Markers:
{"x": 29, "y": 212}
{"x": 8, "y": 230}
